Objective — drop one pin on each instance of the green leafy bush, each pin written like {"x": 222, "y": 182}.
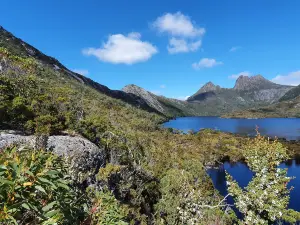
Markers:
{"x": 265, "y": 199}
{"x": 106, "y": 209}
{"x": 35, "y": 189}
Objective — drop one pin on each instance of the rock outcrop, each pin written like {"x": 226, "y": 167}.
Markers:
{"x": 145, "y": 95}
{"x": 258, "y": 82}
{"x": 84, "y": 156}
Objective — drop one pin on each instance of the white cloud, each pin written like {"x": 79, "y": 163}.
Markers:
{"x": 292, "y": 78}
{"x": 177, "y": 24}
{"x": 162, "y": 86}
{"x": 180, "y": 28}
{"x": 180, "y": 45}
{"x": 206, "y": 63}
{"x": 235, "y": 48}
{"x": 81, "y": 71}
{"x": 123, "y": 49}
{"x": 244, "y": 73}
{"x": 134, "y": 35}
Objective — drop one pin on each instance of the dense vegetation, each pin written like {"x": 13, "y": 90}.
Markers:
{"x": 152, "y": 175}
{"x": 288, "y": 108}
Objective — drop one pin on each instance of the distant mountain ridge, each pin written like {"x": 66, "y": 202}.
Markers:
{"x": 209, "y": 100}
{"x": 287, "y": 106}
{"x": 258, "y": 82}
{"x": 252, "y": 91}
{"x": 20, "y": 48}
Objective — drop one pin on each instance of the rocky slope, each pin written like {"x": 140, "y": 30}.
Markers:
{"x": 210, "y": 100}
{"x": 18, "y": 47}
{"x": 167, "y": 106}
{"x": 291, "y": 94}
{"x": 288, "y": 106}
{"x": 149, "y": 98}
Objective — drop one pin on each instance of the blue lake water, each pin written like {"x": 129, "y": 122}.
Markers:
{"x": 288, "y": 128}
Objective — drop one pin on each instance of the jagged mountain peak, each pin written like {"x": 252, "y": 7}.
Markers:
{"x": 207, "y": 90}
{"x": 244, "y": 83}
{"x": 209, "y": 86}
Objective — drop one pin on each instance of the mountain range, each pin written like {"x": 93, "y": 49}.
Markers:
{"x": 210, "y": 100}
{"x": 213, "y": 100}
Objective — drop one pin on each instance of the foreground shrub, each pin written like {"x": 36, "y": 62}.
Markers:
{"x": 265, "y": 199}
{"x": 34, "y": 189}
{"x": 106, "y": 209}
{"x": 188, "y": 200}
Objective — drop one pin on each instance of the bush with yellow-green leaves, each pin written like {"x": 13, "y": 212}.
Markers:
{"x": 35, "y": 189}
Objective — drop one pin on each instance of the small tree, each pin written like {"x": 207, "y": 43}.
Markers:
{"x": 265, "y": 199}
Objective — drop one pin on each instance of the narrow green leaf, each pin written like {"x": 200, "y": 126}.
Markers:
{"x": 44, "y": 180}
{"x": 5, "y": 181}
{"x": 15, "y": 166}
{"x": 26, "y": 206}
{"x": 29, "y": 173}
{"x": 52, "y": 172}
{"x": 40, "y": 188}
{"x": 3, "y": 167}
{"x": 51, "y": 213}
{"x": 49, "y": 206}
{"x": 63, "y": 186}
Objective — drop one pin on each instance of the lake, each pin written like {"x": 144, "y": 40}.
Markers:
{"x": 288, "y": 128}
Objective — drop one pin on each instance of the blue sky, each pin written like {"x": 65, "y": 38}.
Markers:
{"x": 168, "y": 47}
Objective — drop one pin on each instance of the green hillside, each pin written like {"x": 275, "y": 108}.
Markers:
{"x": 150, "y": 176}
{"x": 38, "y": 99}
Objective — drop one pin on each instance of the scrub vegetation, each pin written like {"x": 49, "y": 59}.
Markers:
{"x": 151, "y": 176}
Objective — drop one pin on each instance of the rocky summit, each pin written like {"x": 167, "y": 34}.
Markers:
{"x": 248, "y": 92}
{"x": 258, "y": 82}
{"x": 209, "y": 87}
